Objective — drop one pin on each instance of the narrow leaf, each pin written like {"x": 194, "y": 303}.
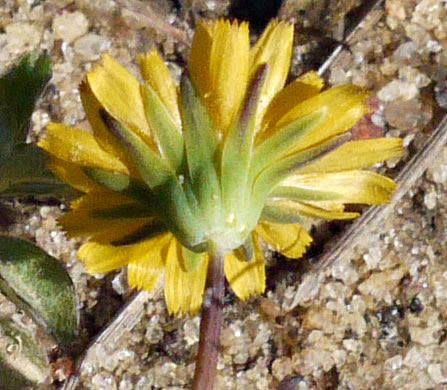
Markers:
{"x": 40, "y": 285}
{"x": 20, "y": 88}
{"x": 23, "y": 358}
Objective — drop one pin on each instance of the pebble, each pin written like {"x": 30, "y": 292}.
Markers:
{"x": 430, "y": 199}
{"x": 22, "y": 37}
{"x": 379, "y": 284}
{"x": 70, "y": 26}
{"x": 103, "y": 382}
{"x": 404, "y": 115}
{"x": 90, "y": 46}
{"x": 398, "y": 89}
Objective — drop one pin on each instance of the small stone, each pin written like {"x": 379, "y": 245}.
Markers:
{"x": 397, "y": 89}
{"x": 415, "y": 359}
{"x": 70, "y": 26}
{"x": 407, "y": 54}
{"x": 90, "y": 46}
{"x": 393, "y": 363}
{"x": 373, "y": 257}
{"x": 22, "y": 37}
{"x": 281, "y": 368}
{"x": 396, "y": 9}
{"x": 424, "y": 336}
{"x": 103, "y": 382}
{"x": 435, "y": 372}
{"x": 403, "y": 114}
{"x": 412, "y": 75}
{"x": 441, "y": 94}
{"x": 379, "y": 284}
{"x": 430, "y": 199}
{"x": 321, "y": 318}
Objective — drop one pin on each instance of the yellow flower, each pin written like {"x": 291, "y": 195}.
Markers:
{"x": 172, "y": 175}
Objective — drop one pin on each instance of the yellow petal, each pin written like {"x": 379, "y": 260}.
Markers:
{"x": 352, "y": 186}
{"x": 274, "y": 48}
{"x": 157, "y": 75}
{"x": 100, "y": 199}
{"x": 119, "y": 93}
{"x": 183, "y": 290}
{"x": 144, "y": 272}
{"x": 357, "y": 155}
{"x": 72, "y": 174}
{"x": 101, "y": 258}
{"x": 79, "y": 147}
{"x": 82, "y": 222}
{"x": 246, "y": 278}
{"x": 345, "y": 105}
{"x": 219, "y": 67}
{"x": 308, "y": 85}
{"x": 290, "y": 240}
{"x": 101, "y": 133}
{"x": 325, "y": 211}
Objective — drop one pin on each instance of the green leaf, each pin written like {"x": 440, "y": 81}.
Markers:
{"x": 23, "y": 358}
{"x": 39, "y": 284}
{"x": 23, "y": 170}
{"x": 20, "y": 88}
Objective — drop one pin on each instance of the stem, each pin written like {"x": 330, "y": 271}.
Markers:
{"x": 210, "y": 324}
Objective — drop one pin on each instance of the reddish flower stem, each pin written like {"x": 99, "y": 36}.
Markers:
{"x": 210, "y": 325}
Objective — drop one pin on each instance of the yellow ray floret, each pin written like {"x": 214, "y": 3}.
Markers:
{"x": 157, "y": 75}
{"x": 351, "y": 186}
{"x": 219, "y": 66}
{"x": 79, "y": 147}
{"x": 308, "y": 85}
{"x": 274, "y": 48}
{"x": 183, "y": 290}
{"x": 102, "y": 258}
{"x": 357, "y": 155}
{"x": 119, "y": 93}
{"x": 290, "y": 240}
{"x": 144, "y": 272}
{"x": 72, "y": 174}
{"x": 246, "y": 278}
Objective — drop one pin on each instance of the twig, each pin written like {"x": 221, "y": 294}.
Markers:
{"x": 365, "y": 9}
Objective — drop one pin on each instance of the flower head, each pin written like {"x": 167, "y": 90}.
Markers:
{"x": 228, "y": 158}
